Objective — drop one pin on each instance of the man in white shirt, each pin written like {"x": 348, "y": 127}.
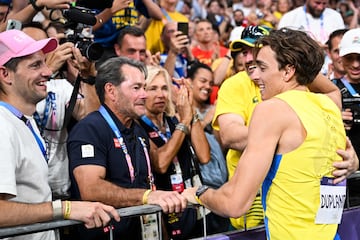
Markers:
{"x": 315, "y": 18}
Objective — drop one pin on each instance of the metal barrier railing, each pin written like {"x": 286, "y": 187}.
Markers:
{"x": 44, "y": 226}
{"x": 123, "y": 212}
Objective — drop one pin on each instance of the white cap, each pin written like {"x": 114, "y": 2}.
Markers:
{"x": 350, "y": 43}
{"x": 235, "y": 34}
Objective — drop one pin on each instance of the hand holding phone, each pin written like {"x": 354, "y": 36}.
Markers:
{"x": 13, "y": 24}
{"x": 183, "y": 27}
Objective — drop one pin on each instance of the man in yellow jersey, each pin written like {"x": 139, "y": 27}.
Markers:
{"x": 236, "y": 101}
{"x": 293, "y": 140}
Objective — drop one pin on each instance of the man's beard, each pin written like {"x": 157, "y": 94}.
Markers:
{"x": 313, "y": 12}
{"x": 238, "y": 23}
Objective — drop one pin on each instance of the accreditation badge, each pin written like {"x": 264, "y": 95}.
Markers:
{"x": 332, "y": 200}
{"x": 150, "y": 227}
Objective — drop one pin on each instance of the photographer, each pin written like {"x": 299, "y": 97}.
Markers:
{"x": 349, "y": 85}
{"x": 50, "y": 112}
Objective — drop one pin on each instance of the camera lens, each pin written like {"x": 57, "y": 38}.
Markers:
{"x": 92, "y": 51}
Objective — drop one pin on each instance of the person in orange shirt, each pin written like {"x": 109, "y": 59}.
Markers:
{"x": 207, "y": 49}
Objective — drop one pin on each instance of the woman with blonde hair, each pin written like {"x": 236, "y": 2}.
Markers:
{"x": 178, "y": 144}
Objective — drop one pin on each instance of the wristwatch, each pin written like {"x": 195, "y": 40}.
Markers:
{"x": 199, "y": 192}
{"x": 90, "y": 80}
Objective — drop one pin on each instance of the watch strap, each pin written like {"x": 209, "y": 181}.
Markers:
{"x": 57, "y": 209}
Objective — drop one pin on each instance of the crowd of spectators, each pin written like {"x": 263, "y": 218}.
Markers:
{"x": 126, "y": 84}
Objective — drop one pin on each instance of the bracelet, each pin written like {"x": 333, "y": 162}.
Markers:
{"x": 57, "y": 209}
{"x": 228, "y": 57}
{"x": 195, "y": 118}
{"x": 146, "y": 196}
{"x": 182, "y": 127}
{"x": 198, "y": 200}
{"x": 33, "y": 4}
{"x": 67, "y": 210}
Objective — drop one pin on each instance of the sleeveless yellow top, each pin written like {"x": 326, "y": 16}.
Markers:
{"x": 291, "y": 190}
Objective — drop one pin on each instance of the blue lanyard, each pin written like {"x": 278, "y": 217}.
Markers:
{"x": 118, "y": 135}
{"x": 148, "y": 122}
{"x": 322, "y": 30}
{"x": 27, "y": 122}
{"x": 166, "y": 15}
{"x": 50, "y": 101}
{"x": 349, "y": 87}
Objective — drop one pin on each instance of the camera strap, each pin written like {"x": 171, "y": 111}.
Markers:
{"x": 350, "y": 88}
{"x": 69, "y": 110}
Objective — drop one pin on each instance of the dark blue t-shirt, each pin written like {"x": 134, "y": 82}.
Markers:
{"x": 107, "y": 34}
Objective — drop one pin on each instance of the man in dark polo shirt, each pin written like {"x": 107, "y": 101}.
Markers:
{"x": 108, "y": 150}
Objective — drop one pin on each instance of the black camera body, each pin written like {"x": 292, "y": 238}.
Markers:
{"x": 88, "y": 48}
{"x": 353, "y": 103}
{"x": 349, "y": 101}
{"x": 79, "y": 31}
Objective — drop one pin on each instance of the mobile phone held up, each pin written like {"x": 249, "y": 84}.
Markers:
{"x": 183, "y": 27}
{"x": 13, "y": 24}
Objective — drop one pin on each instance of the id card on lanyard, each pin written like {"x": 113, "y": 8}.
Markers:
{"x": 176, "y": 179}
{"x": 150, "y": 227}
{"x": 149, "y": 223}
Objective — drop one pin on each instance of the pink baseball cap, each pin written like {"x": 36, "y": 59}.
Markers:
{"x": 15, "y": 43}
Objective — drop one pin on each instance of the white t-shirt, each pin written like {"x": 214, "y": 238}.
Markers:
{"x": 23, "y": 168}
{"x": 246, "y": 10}
{"x": 318, "y": 28}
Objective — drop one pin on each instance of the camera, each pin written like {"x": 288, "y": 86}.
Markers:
{"x": 78, "y": 22}
{"x": 349, "y": 100}
{"x": 353, "y": 103}
{"x": 84, "y": 42}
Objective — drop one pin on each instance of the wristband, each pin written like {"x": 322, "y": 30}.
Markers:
{"x": 57, "y": 209}
{"x": 146, "y": 196}
{"x": 228, "y": 57}
{"x": 67, "y": 210}
{"x": 198, "y": 200}
{"x": 90, "y": 80}
{"x": 182, "y": 127}
{"x": 33, "y": 4}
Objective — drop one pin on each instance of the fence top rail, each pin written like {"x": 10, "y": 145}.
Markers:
{"x": 39, "y": 227}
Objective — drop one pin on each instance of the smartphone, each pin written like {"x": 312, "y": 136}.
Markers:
{"x": 13, "y": 24}
{"x": 183, "y": 27}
